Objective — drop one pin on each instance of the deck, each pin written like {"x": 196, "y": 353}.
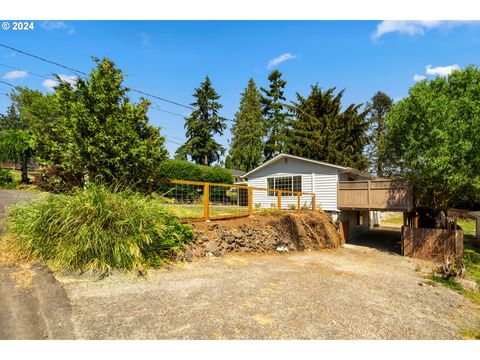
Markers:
{"x": 388, "y": 195}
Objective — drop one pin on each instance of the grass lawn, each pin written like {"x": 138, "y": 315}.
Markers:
{"x": 17, "y": 177}
{"x": 196, "y": 211}
{"x": 396, "y": 221}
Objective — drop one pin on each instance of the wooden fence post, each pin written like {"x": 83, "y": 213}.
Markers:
{"x": 206, "y": 202}
{"x": 250, "y": 201}
{"x": 314, "y": 205}
{"x": 298, "y": 206}
{"x": 279, "y": 200}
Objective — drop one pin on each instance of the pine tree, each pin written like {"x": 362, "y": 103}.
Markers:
{"x": 380, "y": 104}
{"x": 321, "y": 131}
{"x": 202, "y": 125}
{"x": 11, "y": 120}
{"x": 247, "y": 144}
{"x": 275, "y": 123}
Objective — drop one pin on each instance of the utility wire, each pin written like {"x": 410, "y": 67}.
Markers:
{"x": 7, "y": 83}
{"x": 84, "y": 73}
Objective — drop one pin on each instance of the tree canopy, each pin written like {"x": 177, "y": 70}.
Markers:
{"x": 380, "y": 104}
{"x": 95, "y": 130}
{"x": 16, "y": 131}
{"x": 201, "y": 127}
{"x": 432, "y": 138}
{"x": 247, "y": 131}
{"x": 320, "y": 130}
{"x": 275, "y": 115}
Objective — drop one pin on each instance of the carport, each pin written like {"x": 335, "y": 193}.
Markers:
{"x": 356, "y": 199}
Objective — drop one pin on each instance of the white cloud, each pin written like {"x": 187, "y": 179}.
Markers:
{"x": 49, "y": 84}
{"x": 441, "y": 70}
{"x": 416, "y": 27}
{"x": 145, "y": 39}
{"x": 280, "y": 59}
{"x": 15, "y": 74}
{"x": 57, "y": 25}
{"x": 418, "y": 78}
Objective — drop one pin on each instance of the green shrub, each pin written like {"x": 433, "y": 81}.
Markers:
{"x": 98, "y": 229}
{"x": 6, "y": 178}
{"x": 184, "y": 170}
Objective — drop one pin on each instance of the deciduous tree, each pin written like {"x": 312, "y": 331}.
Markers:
{"x": 380, "y": 104}
{"x": 432, "y": 138}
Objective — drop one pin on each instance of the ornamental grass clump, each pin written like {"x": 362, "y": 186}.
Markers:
{"x": 98, "y": 229}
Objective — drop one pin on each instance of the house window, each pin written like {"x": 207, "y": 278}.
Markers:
{"x": 287, "y": 183}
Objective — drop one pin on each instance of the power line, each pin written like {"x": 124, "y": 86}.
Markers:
{"x": 42, "y": 59}
{"x": 84, "y": 73}
{"x": 174, "y": 142}
{"x": 6, "y": 83}
{"x": 156, "y": 107}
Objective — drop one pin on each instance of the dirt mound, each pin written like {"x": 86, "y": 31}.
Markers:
{"x": 292, "y": 231}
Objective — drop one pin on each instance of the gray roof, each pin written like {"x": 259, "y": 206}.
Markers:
{"x": 280, "y": 156}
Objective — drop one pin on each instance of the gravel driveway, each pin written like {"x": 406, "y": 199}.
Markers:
{"x": 350, "y": 293}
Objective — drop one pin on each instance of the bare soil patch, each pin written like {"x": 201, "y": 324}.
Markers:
{"x": 283, "y": 232}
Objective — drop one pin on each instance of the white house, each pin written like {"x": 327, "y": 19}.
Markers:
{"x": 294, "y": 173}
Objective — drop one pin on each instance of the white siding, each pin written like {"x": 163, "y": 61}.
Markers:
{"x": 326, "y": 189}
{"x": 324, "y": 182}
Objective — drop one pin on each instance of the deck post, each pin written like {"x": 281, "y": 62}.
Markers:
{"x": 314, "y": 205}
{"x": 279, "y": 200}
{"x": 250, "y": 201}
{"x": 298, "y": 198}
{"x": 206, "y": 202}
{"x": 369, "y": 201}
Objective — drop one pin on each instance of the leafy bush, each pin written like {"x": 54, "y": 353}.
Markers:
{"x": 6, "y": 178}
{"x": 98, "y": 229}
{"x": 184, "y": 170}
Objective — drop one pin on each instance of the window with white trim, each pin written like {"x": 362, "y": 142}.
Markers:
{"x": 287, "y": 183}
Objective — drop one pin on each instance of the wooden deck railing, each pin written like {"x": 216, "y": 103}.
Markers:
{"x": 393, "y": 195}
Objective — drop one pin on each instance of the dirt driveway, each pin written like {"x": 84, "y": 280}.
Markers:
{"x": 351, "y": 293}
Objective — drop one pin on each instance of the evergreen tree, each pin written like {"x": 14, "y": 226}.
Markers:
{"x": 275, "y": 114}
{"x": 11, "y": 120}
{"x": 247, "y": 145}
{"x": 202, "y": 125}
{"x": 98, "y": 131}
{"x": 321, "y": 131}
{"x": 380, "y": 104}
{"x": 228, "y": 162}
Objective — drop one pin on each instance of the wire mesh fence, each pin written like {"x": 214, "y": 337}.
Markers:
{"x": 194, "y": 200}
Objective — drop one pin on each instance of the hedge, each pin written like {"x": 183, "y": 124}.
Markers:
{"x": 184, "y": 170}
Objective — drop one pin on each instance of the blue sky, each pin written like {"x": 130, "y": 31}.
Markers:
{"x": 171, "y": 58}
